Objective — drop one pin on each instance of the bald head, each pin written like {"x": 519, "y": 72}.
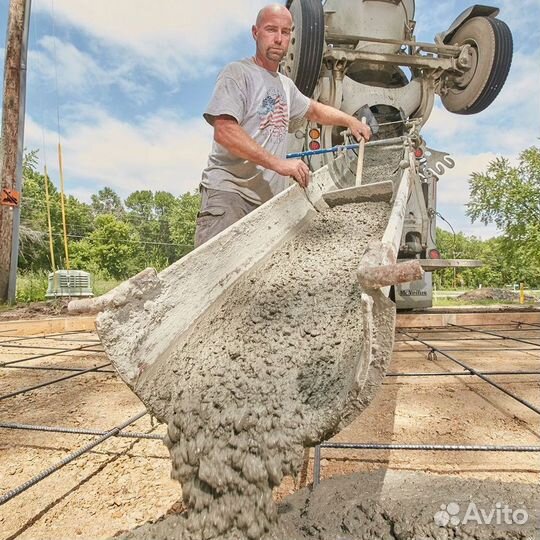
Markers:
{"x": 272, "y": 10}
{"x": 272, "y": 34}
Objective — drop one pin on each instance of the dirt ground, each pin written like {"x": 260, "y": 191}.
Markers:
{"x": 36, "y": 310}
{"x": 501, "y": 295}
{"x": 123, "y": 483}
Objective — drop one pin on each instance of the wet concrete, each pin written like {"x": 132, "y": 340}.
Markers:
{"x": 391, "y": 505}
{"x": 271, "y": 372}
{"x": 275, "y": 367}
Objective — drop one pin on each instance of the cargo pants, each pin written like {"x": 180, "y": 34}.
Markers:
{"x": 219, "y": 210}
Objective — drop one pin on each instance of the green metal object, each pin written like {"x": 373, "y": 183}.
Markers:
{"x": 69, "y": 283}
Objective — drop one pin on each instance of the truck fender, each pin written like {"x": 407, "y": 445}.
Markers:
{"x": 477, "y": 10}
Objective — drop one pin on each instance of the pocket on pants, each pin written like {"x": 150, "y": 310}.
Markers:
{"x": 211, "y": 211}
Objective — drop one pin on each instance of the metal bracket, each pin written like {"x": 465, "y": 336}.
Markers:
{"x": 438, "y": 162}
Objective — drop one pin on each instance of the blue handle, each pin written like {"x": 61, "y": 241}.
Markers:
{"x": 334, "y": 149}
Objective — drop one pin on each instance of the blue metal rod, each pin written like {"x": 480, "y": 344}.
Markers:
{"x": 334, "y": 149}
{"x": 340, "y": 148}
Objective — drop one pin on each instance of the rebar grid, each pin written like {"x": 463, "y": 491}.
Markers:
{"x": 468, "y": 372}
{"x": 118, "y": 431}
{"x": 68, "y": 459}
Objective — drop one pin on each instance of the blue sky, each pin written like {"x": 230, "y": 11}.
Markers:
{"x": 130, "y": 80}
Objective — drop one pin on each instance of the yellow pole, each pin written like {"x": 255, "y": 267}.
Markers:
{"x": 48, "y": 204}
{"x": 63, "y": 204}
{"x": 521, "y": 293}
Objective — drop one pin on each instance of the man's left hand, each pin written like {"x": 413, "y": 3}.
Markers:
{"x": 359, "y": 130}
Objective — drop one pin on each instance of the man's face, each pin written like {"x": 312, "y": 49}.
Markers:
{"x": 273, "y": 34}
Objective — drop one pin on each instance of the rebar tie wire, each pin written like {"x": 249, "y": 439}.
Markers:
{"x": 68, "y": 459}
{"x": 536, "y": 326}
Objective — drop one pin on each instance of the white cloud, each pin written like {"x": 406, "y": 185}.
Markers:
{"x": 77, "y": 71}
{"x": 173, "y": 39}
{"x": 453, "y": 186}
{"x": 161, "y": 152}
{"x": 508, "y": 126}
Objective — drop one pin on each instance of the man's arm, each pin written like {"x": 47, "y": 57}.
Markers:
{"x": 229, "y": 134}
{"x": 328, "y": 116}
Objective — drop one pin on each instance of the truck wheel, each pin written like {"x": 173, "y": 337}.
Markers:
{"x": 304, "y": 58}
{"x": 491, "y": 56}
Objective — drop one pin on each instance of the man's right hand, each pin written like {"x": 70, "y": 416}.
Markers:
{"x": 294, "y": 168}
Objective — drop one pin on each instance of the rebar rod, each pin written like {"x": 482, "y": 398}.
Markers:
{"x": 39, "y": 356}
{"x": 42, "y": 385}
{"x": 457, "y": 329}
{"x": 46, "y": 347}
{"x": 478, "y": 374}
{"x": 459, "y": 338}
{"x": 317, "y": 466}
{"x": 430, "y": 447}
{"x": 483, "y": 349}
{"x": 54, "y": 368}
{"x": 461, "y": 373}
{"x": 38, "y": 336}
{"x": 410, "y": 447}
{"x": 486, "y": 332}
{"x": 77, "y": 431}
{"x": 68, "y": 459}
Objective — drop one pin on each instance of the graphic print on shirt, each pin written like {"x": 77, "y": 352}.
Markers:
{"x": 274, "y": 114}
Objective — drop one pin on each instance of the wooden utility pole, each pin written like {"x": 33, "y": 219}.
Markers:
{"x": 12, "y": 144}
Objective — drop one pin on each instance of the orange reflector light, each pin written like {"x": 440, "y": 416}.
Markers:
{"x": 419, "y": 153}
{"x": 314, "y": 133}
{"x": 314, "y": 145}
{"x": 434, "y": 254}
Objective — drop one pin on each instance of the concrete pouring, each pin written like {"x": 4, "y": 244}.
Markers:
{"x": 393, "y": 505}
{"x": 276, "y": 365}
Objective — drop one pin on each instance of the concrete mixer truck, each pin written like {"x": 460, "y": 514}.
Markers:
{"x": 353, "y": 53}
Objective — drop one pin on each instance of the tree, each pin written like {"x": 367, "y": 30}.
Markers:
{"x": 112, "y": 246}
{"x": 509, "y": 197}
{"x": 107, "y": 201}
{"x": 184, "y": 220}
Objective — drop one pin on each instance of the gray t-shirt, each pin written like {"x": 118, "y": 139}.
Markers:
{"x": 263, "y": 103}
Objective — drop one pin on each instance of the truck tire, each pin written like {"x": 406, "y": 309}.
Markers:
{"x": 304, "y": 58}
{"x": 492, "y": 48}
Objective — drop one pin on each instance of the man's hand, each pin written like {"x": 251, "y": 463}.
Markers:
{"x": 359, "y": 130}
{"x": 294, "y": 168}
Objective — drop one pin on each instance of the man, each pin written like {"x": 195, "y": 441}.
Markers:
{"x": 250, "y": 112}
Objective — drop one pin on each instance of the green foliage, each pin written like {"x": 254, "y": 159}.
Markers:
{"x": 509, "y": 197}
{"x": 109, "y": 237}
{"x": 504, "y": 263}
{"x": 32, "y": 286}
{"x": 183, "y": 219}
{"x": 107, "y": 201}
